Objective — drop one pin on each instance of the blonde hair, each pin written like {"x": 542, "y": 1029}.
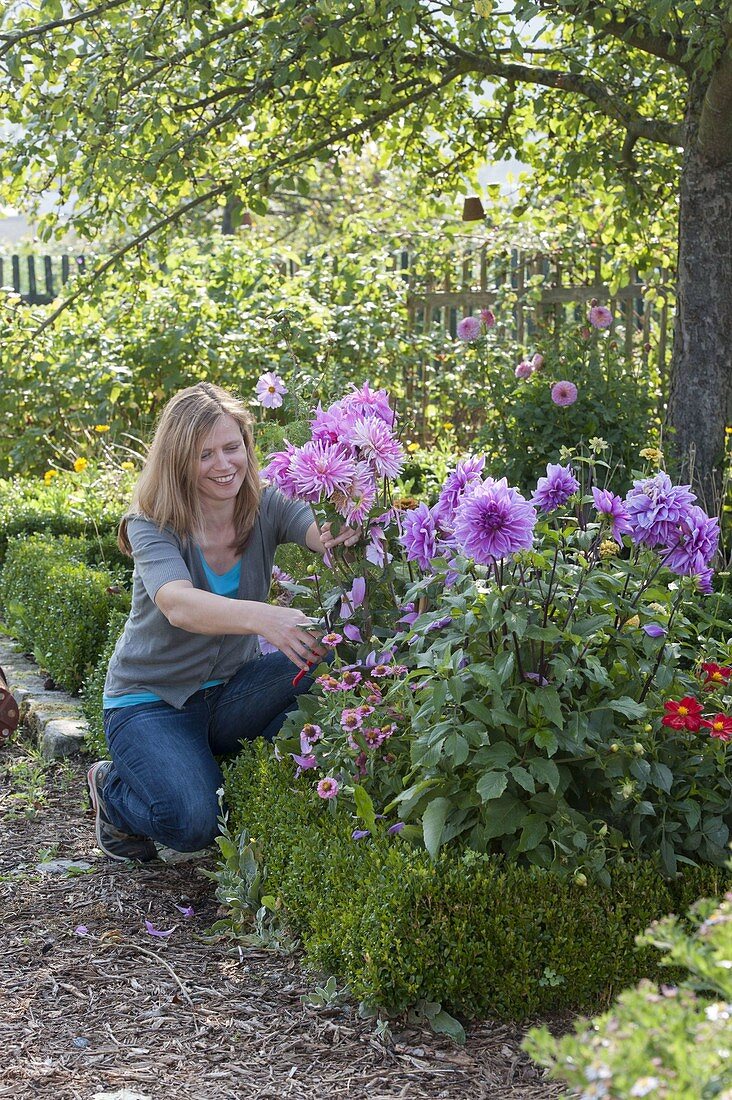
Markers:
{"x": 167, "y": 489}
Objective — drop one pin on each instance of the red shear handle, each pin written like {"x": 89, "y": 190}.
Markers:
{"x": 302, "y": 673}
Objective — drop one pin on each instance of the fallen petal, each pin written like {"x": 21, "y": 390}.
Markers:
{"x": 187, "y": 910}
{"x": 81, "y": 930}
{"x": 153, "y": 931}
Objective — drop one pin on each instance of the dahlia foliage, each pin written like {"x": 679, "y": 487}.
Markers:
{"x": 515, "y": 675}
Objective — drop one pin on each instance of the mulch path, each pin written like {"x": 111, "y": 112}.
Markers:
{"x": 119, "y": 1012}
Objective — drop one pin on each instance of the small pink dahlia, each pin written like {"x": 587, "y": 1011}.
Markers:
{"x": 564, "y": 393}
{"x": 600, "y": 317}
{"x": 469, "y": 328}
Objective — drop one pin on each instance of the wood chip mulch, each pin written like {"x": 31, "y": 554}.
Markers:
{"x": 120, "y": 1013}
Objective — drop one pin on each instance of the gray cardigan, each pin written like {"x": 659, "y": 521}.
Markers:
{"x": 154, "y": 656}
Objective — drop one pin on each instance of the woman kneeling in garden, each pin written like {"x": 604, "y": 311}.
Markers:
{"x": 187, "y": 681}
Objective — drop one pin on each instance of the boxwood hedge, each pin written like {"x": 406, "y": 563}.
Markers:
{"x": 478, "y": 934}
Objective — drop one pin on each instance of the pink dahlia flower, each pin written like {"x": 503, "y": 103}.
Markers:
{"x": 488, "y": 317}
{"x": 537, "y": 361}
{"x": 366, "y": 403}
{"x": 470, "y": 328}
{"x": 493, "y": 522}
{"x": 524, "y": 370}
{"x": 356, "y": 503}
{"x": 377, "y": 446}
{"x": 321, "y": 469}
{"x": 564, "y": 393}
{"x": 600, "y": 317}
{"x": 279, "y": 470}
{"x": 269, "y": 389}
{"x": 332, "y": 425}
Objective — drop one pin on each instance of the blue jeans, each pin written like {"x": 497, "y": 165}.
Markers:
{"x": 164, "y": 776}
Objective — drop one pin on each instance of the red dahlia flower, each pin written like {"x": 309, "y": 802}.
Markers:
{"x": 684, "y": 715}
{"x": 720, "y": 727}
{"x": 716, "y": 674}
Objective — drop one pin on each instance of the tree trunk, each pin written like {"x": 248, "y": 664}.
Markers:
{"x": 701, "y": 366}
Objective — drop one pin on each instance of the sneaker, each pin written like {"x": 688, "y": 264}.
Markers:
{"x": 113, "y": 842}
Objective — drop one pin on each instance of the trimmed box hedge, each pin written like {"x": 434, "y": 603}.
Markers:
{"x": 58, "y": 605}
{"x": 478, "y": 934}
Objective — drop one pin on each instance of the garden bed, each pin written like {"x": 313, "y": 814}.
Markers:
{"x": 178, "y": 1017}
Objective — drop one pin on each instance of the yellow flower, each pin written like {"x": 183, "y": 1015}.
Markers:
{"x": 448, "y": 425}
{"x": 49, "y": 476}
{"x": 653, "y": 454}
{"x": 101, "y": 428}
{"x": 128, "y": 465}
{"x": 80, "y": 464}
{"x": 413, "y": 447}
{"x": 633, "y": 621}
{"x": 609, "y": 548}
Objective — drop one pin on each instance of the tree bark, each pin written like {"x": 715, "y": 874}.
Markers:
{"x": 701, "y": 366}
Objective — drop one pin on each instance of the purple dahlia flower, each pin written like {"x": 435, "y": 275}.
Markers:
{"x": 612, "y": 506}
{"x": 419, "y": 536}
{"x": 494, "y": 521}
{"x": 600, "y": 317}
{"x": 693, "y": 543}
{"x": 556, "y": 488}
{"x": 467, "y": 472}
{"x": 655, "y": 508}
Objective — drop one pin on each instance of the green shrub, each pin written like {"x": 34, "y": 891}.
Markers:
{"x": 667, "y": 1041}
{"x": 87, "y": 504}
{"x": 92, "y": 697}
{"x": 476, "y": 933}
{"x": 57, "y": 605}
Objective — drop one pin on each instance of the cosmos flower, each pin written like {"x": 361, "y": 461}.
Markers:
{"x": 270, "y": 389}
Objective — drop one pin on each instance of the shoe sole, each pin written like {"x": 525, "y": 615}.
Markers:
{"x": 9, "y": 713}
{"x": 94, "y": 798}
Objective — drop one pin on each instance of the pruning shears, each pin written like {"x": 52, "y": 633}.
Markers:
{"x": 326, "y": 625}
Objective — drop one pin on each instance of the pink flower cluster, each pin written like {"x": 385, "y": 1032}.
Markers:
{"x": 353, "y": 445}
{"x": 527, "y": 367}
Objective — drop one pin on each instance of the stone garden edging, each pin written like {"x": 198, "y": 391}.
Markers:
{"x": 53, "y": 718}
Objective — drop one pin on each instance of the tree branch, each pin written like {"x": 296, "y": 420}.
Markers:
{"x": 10, "y": 40}
{"x": 98, "y": 271}
{"x": 305, "y": 154}
{"x": 608, "y": 103}
{"x": 225, "y": 32}
{"x": 631, "y": 29}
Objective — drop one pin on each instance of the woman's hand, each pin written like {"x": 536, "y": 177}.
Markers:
{"x": 293, "y": 633}
{"x": 322, "y": 540}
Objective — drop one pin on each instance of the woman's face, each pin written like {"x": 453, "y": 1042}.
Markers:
{"x": 222, "y": 462}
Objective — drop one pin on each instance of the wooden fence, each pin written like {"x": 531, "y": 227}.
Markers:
{"x": 38, "y": 279}
{"x": 549, "y": 291}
